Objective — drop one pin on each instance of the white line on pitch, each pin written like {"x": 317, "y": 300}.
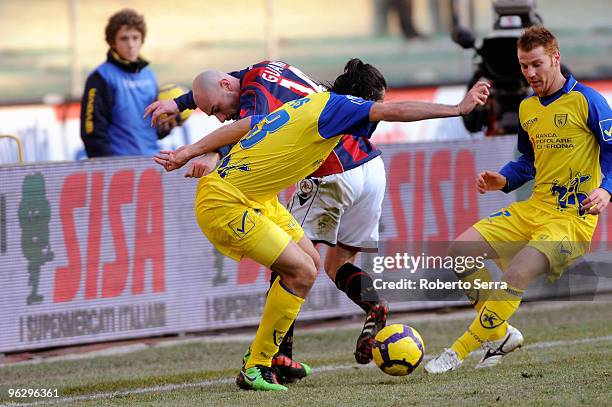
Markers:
{"x": 227, "y": 380}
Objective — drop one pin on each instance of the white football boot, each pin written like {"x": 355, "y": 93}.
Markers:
{"x": 447, "y": 361}
{"x": 495, "y": 350}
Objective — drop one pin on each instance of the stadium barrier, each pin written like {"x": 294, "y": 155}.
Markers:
{"x": 17, "y": 141}
{"x": 107, "y": 249}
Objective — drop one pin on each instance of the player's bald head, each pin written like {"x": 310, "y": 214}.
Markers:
{"x": 207, "y": 82}
{"x": 216, "y": 93}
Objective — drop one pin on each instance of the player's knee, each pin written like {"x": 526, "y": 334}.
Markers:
{"x": 305, "y": 272}
{"x": 518, "y": 277}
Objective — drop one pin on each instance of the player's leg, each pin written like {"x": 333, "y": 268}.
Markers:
{"x": 489, "y": 237}
{"x": 554, "y": 245}
{"x": 359, "y": 288}
{"x": 490, "y": 327}
{"x": 473, "y": 244}
{"x": 239, "y": 231}
{"x": 308, "y": 207}
{"x": 297, "y": 275}
{"x": 287, "y": 369}
{"x": 358, "y": 231}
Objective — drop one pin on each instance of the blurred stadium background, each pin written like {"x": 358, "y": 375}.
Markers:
{"x": 128, "y": 261}
{"x": 42, "y": 55}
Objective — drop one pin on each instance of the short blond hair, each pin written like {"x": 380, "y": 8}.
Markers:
{"x": 536, "y": 36}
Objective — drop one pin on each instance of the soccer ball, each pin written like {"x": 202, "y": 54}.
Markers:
{"x": 172, "y": 91}
{"x": 398, "y": 349}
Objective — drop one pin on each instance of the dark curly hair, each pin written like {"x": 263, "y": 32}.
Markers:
{"x": 126, "y": 17}
{"x": 361, "y": 80}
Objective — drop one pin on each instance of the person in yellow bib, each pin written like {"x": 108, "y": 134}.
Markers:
{"x": 237, "y": 207}
{"x": 565, "y": 138}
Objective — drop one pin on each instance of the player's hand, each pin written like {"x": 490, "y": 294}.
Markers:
{"x": 172, "y": 160}
{"x": 203, "y": 165}
{"x": 162, "y": 110}
{"x": 490, "y": 181}
{"x": 477, "y": 96}
{"x": 596, "y": 202}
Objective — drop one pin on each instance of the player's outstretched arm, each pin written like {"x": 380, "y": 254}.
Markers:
{"x": 410, "y": 111}
{"x": 228, "y": 134}
{"x": 490, "y": 181}
{"x": 159, "y": 108}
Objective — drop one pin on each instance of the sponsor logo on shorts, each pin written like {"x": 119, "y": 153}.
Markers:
{"x": 565, "y": 247}
{"x": 306, "y": 186}
{"x": 242, "y": 225}
{"x": 305, "y": 190}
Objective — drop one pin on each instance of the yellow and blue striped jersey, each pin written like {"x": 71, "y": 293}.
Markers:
{"x": 566, "y": 143}
{"x": 292, "y": 142}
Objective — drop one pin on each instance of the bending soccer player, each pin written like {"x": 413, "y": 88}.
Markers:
{"x": 566, "y": 143}
{"x": 344, "y": 194}
{"x": 237, "y": 207}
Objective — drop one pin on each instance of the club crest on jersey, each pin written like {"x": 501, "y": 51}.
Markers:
{"x": 571, "y": 194}
{"x": 489, "y": 319}
{"x": 606, "y": 129}
{"x": 560, "y": 120}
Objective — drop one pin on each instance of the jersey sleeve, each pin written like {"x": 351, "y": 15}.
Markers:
{"x": 346, "y": 114}
{"x": 600, "y": 123}
{"x": 523, "y": 170}
{"x": 96, "y": 114}
{"x": 186, "y": 101}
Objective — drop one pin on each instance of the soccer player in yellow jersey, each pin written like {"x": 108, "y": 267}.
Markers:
{"x": 565, "y": 138}
{"x": 237, "y": 206}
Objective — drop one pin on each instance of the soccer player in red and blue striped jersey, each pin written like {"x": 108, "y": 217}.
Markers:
{"x": 354, "y": 165}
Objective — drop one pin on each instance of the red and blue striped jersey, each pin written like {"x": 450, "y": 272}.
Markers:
{"x": 267, "y": 85}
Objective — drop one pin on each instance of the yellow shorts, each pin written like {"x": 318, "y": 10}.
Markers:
{"x": 239, "y": 227}
{"x": 560, "y": 237}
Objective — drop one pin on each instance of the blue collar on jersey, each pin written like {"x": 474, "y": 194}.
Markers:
{"x": 567, "y": 88}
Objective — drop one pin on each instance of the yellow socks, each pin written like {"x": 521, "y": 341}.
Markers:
{"x": 281, "y": 309}
{"x": 490, "y": 323}
{"x": 478, "y": 296}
